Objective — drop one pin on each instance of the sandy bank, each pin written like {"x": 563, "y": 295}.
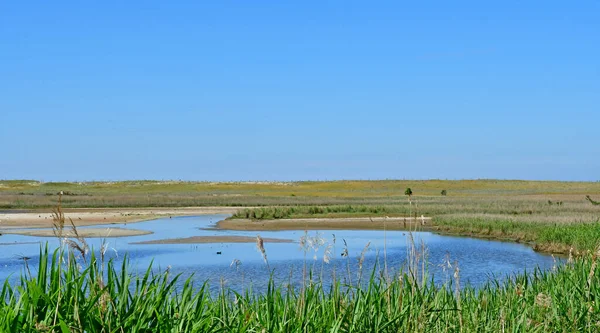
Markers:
{"x": 353, "y": 223}
{"x": 87, "y": 233}
{"x": 214, "y": 239}
{"x": 19, "y": 243}
{"x": 95, "y": 216}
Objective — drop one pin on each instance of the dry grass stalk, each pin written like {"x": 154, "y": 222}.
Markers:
{"x": 58, "y": 219}
{"x": 542, "y": 300}
{"x": 346, "y": 254}
{"x": 79, "y": 244}
{"x": 260, "y": 245}
{"x": 458, "y": 305}
{"x": 361, "y": 260}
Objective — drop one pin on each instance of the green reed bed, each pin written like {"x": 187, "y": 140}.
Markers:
{"x": 550, "y": 237}
{"x": 73, "y": 296}
{"x": 263, "y": 213}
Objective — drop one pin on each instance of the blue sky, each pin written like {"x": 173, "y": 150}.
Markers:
{"x": 257, "y": 90}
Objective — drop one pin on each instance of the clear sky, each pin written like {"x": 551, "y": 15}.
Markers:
{"x": 293, "y": 90}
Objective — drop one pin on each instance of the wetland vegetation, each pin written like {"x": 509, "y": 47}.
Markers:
{"x": 95, "y": 295}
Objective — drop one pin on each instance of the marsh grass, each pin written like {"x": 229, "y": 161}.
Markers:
{"x": 268, "y": 213}
{"x": 544, "y": 236}
{"x": 551, "y": 228}
{"x": 66, "y": 297}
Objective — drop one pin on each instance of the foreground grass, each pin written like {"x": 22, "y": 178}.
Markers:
{"x": 100, "y": 298}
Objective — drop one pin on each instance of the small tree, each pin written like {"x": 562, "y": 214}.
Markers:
{"x": 444, "y": 192}
{"x": 408, "y": 192}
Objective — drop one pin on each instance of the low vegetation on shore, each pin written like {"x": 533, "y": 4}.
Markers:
{"x": 547, "y": 237}
{"x": 558, "y": 226}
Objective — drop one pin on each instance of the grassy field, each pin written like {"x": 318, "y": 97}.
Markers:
{"x": 26, "y": 194}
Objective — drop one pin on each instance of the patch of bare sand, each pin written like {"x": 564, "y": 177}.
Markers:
{"x": 214, "y": 239}
{"x": 87, "y": 233}
{"x": 95, "y": 216}
{"x": 338, "y": 223}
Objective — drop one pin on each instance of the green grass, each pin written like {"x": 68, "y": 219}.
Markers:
{"x": 548, "y": 237}
{"x": 101, "y": 298}
{"x": 263, "y": 213}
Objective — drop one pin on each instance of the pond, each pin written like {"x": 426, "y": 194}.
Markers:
{"x": 240, "y": 265}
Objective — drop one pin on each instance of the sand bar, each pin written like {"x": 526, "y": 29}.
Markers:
{"x": 19, "y": 243}
{"x": 214, "y": 239}
{"x": 338, "y": 223}
{"x": 87, "y": 232}
{"x": 95, "y": 216}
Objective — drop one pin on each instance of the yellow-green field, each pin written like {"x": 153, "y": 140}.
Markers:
{"x": 33, "y": 194}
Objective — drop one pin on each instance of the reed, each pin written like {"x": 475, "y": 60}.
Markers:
{"x": 66, "y": 298}
{"x": 543, "y": 236}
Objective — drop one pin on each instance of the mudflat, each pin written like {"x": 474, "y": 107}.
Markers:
{"x": 337, "y": 223}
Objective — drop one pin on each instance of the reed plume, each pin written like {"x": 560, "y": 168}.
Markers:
{"x": 260, "y": 245}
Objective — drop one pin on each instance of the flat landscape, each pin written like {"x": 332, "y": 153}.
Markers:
{"x": 30, "y": 194}
{"x": 203, "y": 229}
{"x": 552, "y": 216}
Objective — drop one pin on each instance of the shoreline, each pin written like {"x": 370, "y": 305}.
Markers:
{"x": 102, "y": 216}
{"x": 335, "y": 223}
{"x": 213, "y": 239}
{"x": 85, "y": 233}
{"x": 21, "y": 222}
{"x": 557, "y": 249}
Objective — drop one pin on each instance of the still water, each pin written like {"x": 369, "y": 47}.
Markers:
{"x": 478, "y": 259}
